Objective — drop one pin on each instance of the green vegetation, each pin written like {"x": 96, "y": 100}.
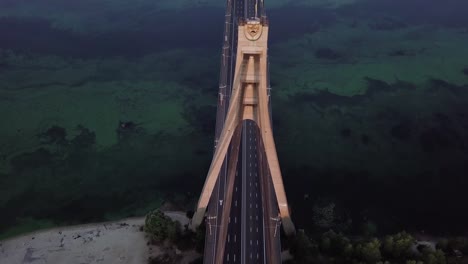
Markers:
{"x": 369, "y": 251}
{"x": 303, "y": 248}
{"x": 399, "y": 248}
{"x": 169, "y": 234}
{"x": 161, "y": 228}
{"x": 336, "y": 245}
{"x": 433, "y": 257}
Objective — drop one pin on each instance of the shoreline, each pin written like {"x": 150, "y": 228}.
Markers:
{"x": 54, "y": 228}
{"x": 122, "y": 241}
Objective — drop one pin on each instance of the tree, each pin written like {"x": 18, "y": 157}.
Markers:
{"x": 414, "y": 262}
{"x": 336, "y": 244}
{"x": 369, "y": 251}
{"x": 434, "y": 257}
{"x": 398, "y": 246}
{"x": 348, "y": 251}
{"x": 303, "y": 249}
{"x": 160, "y": 227}
{"x": 388, "y": 244}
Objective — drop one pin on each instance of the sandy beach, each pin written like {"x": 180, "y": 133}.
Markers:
{"x": 111, "y": 242}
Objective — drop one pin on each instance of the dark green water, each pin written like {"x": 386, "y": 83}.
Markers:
{"x": 370, "y": 106}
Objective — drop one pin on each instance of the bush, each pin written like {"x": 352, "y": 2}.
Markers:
{"x": 434, "y": 257}
{"x": 398, "y": 246}
{"x": 303, "y": 249}
{"x": 369, "y": 251}
{"x": 414, "y": 262}
{"x": 336, "y": 244}
{"x": 160, "y": 227}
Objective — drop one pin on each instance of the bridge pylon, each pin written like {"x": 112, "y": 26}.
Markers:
{"x": 249, "y": 101}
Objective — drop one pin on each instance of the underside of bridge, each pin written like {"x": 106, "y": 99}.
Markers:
{"x": 243, "y": 201}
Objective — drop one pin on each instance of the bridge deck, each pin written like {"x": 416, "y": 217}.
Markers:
{"x": 248, "y": 228}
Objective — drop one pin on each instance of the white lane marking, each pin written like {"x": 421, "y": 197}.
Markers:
{"x": 235, "y": 219}
{"x": 257, "y": 242}
{"x": 235, "y": 236}
{"x": 258, "y": 256}
{"x": 250, "y": 241}
{"x": 257, "y": 229}
{"x": 235, "y": 203}
{"x": 229, "y": 238}
{"x": 234, "y": 257}
{"x": 244, "y": 196}
{"x": 228, "y": 257}
{"x": 250, "y": 206}
{"x": 250, "y": 255}
{"x": 256, "y": 205}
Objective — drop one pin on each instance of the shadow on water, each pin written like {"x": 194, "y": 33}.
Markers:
{"x": 431, "y": 201}
{"x": 185, "y": 29}
{"x": 419, "y": 181}
{"x": 195, "y": 28}
{"x": 450, "y": 13}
